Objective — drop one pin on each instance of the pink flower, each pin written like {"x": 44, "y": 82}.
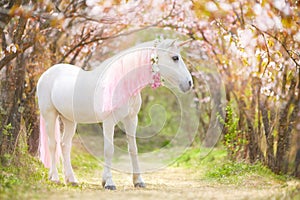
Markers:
{"x": 156, "y": 81}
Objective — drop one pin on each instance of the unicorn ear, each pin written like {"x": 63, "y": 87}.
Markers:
{"x": 184, "y": 42}
{"x": 173, "y": 43}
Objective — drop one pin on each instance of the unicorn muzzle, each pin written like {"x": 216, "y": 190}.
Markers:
{"x": 186, "y": 85}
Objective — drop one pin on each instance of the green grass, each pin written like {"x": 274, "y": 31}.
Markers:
{"x": 214, "y": 166}
{"x": 84, "y": 161}
{"x": 20, "y": 176}
{"x": 239, "y": 172}
{"x": 24, "y": 176}
{"x": 201, "y": 158}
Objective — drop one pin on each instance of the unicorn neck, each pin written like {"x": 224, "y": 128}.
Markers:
{"x": 125, "y": 75}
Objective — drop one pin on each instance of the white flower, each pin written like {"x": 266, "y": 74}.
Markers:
{"x": 278, "y": 24}
{"x": 297, "y": 37}
{"x": 211, "y": 6}
{"x": 155, "y": 68}
{"x": 257, "y": 9}
{"x": 91, "y": 3}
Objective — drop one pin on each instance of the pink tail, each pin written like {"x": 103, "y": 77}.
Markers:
{"x": 43, "y": 146}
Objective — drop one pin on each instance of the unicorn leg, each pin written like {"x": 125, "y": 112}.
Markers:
{"x": 130, "y": 124}
{"x": 50, "y": 120}
{"x": 108, "y": 131}
{"x": 66, "y": 145}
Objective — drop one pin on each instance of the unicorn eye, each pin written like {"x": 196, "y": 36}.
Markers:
{"x": 175, "y": 58}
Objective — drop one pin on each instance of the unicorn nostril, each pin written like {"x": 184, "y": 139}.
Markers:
{"x": 190, "y": 83}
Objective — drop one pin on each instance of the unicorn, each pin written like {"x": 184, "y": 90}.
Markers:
{"x": 110, "y": 94}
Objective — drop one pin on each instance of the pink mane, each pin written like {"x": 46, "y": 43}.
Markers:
{"x": 125, "y": 77}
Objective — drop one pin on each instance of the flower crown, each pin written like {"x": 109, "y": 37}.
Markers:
{"x": 156, "y": 79}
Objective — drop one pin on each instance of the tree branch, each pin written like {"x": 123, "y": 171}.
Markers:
{"x": 98, "y": 38}
{"x": 4, "y": 61}
{"x": 281, "y": 43}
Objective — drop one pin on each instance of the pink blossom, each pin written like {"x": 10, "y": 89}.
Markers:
{"x": 156, "y": 81}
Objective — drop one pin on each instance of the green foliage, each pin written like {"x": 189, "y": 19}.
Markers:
{"x": 85, "y": 161}
{"x": 213, "y": 166}
{"x": 234, "y": 139}
{"x": 24, "y": 173}
{"x": 158, "y": 119}
{"x": 201, "y": 158}
{"x": 6, "y": 135}
{"x": 7, "y": 130}
{"x": 237, "y": 172}
{"x": 25, "y": 177}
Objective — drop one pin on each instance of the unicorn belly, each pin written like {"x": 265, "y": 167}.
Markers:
{"x": 75, "y": 97}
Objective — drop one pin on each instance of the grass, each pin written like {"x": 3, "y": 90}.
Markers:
{"x": 236, "y": 171}
{"x": 26, "y": 178}
{"x": 214, "y": 166}
{"x": 200, "y": 158}
{"x": 20, "y": 176}
{"x": 84, "y": 161}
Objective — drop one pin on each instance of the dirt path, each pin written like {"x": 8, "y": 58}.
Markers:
{"x": 177, "y": 183}
{"x": 172, "y": 183}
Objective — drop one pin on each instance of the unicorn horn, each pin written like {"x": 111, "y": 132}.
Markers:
{"x": 184, "y": 42}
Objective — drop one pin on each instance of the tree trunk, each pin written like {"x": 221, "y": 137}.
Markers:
{"x": 268, "y": 134}
{"x": 12, "y": 86}
{"x": 284, "y": 130}
{"x": 31, "y": 117}
{"x": 297, "y": 128}
{"x": 255, "y": 152}
{"x": 11, "y": 100}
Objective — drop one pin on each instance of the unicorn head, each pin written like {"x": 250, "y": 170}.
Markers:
{"x": 171, "y": 65}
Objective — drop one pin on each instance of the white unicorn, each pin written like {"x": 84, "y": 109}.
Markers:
{"x": 108, "y": 94}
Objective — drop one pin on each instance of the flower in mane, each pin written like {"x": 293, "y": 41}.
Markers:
{"x": 127, "y": 74}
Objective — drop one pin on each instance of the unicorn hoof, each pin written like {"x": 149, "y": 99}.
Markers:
{"x": 110, "y": 187}
{"x": 140, "y": 185}
{"x": 74, "y": 184}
